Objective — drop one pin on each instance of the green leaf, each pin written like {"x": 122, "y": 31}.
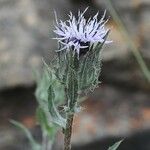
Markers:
{"x": 72, "y": 80}
{"x": 56, "y": 117}
{"x": 50, "y": 94}
{"x": 34, "y": 144}
{"x": 90, "y": 67}
{"x": 115, "y": 146}
{"x": 42, "y": 94}
{"x": 47, "y": 130}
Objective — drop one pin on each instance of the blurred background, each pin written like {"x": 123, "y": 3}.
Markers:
{"x": 118, "y": 109}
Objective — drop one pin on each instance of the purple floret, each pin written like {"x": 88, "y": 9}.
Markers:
{"x": 76, "y": 31}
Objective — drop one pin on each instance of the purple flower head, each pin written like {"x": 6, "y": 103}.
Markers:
{"x": 78, "y": 33}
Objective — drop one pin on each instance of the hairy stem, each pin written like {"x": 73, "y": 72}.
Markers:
{"x": 68, "y": 132}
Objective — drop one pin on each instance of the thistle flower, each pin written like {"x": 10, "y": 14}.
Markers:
{"x": 78, "y": 33}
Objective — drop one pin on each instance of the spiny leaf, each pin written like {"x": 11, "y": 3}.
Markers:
{"x": 46, "y": 99}
{"x": 72, "y": 81}
{"x": 56, "y": 117}
{"x": 34, "y": 144}
{"x": 115, "y": 146}
{"x": 72, "y": 88}
{"x": 90, "y": 67}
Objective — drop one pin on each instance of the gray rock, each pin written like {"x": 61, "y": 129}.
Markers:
{"x": 24, "y": 39}
{"x": 26, "y": 32}
{"x": 144, "y": 31}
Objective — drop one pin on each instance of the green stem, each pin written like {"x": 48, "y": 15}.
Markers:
{"x": 68, "y": 132}
{"x": 72, "y": 96}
